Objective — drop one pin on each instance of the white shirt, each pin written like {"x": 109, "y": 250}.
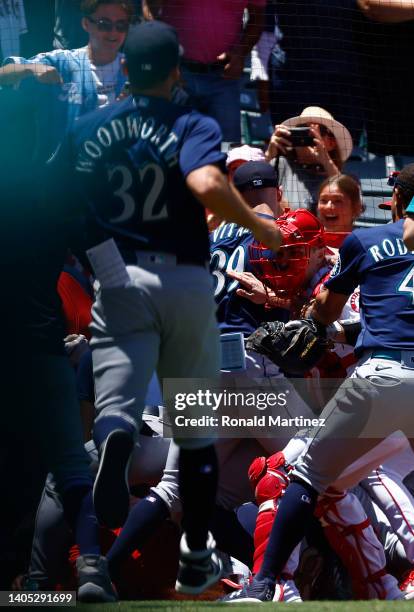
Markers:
{"x": 106, "y": 79}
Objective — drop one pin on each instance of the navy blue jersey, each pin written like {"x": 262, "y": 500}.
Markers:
{"x": 130, "y": 161}
{"x": 229, "y": 246}
{"x": 378, "y": 261}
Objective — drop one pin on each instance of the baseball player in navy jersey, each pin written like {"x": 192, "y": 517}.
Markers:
{"x": 145, "y": 168}
{"x": 230, "y": 253}
{"x": 376, "y": 401}
{"x": 258, "y": 182}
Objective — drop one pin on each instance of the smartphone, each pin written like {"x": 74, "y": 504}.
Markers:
{"x": 301, "y": 137}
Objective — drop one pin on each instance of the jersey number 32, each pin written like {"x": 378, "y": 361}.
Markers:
{"x": 151, "y": 210}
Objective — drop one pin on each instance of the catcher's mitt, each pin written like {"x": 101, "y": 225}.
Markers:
{"x": 295, "y": 346}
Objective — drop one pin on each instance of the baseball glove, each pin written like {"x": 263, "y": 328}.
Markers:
{"x": 295, "y": 346}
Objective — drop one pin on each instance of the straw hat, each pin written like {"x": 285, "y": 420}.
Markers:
{"x": 316, "y": 114}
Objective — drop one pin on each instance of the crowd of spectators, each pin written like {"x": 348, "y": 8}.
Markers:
{"x": 304, "y": 54}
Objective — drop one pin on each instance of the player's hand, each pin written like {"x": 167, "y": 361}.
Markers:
{"x": 233, "y": 65}
{"x": 280, "y": 143}
{"x": 48, "y": 75}
{"x": 267, "y": 232}
{"x": 76, "y": 345}
{"x": 253, "y": 289}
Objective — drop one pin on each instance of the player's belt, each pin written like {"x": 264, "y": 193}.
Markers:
{"x": 387, "y": 354}
{"x": 154, "y": 258}
{"x": 201, "y": 67}
{"x": 406, "y": 358}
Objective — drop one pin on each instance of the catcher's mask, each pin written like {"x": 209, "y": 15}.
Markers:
{"x": 285, "y": 271}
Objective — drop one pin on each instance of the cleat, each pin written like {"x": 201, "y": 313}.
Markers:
{"x": 290, "y": 591}
{"x": 236, "y": 574}
{"x": 94, "y": 583}
{"x": 111, "y": 491}
{"x": 199, "y": 569}
{"x": 256, "y": 592}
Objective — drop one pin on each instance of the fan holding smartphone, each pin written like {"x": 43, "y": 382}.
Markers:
{"x": 308, "y": 149}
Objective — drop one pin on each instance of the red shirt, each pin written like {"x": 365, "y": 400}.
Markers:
{"x": 207, "y": 28}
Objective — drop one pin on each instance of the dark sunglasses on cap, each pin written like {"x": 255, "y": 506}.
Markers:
{"x": 106, "y": 25}
{"x": 395, "y": 181}
{"x": 392, "y": 179}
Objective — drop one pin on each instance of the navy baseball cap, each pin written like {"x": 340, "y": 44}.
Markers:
{"x": 152, "y": 50}
{"x": 255, "y": 175}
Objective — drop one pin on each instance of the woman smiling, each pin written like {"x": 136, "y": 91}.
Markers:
{"x": 339, "y": 203}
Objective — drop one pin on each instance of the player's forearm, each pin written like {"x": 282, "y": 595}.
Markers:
{"x": 328, "y": 306}
{"x": 14, "y": 73}
{"x": 212, "y": 189}
{"x": 389, "y": 11}
{"x": 408, "y": 235}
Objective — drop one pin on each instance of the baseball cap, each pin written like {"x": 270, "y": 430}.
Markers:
{"x": 152, "y": 50}
{"x": 255, "y": 175}
{"x": 385, "y": 205}
{"x": 405, "y": 181}
{"x": 245, "y": 153}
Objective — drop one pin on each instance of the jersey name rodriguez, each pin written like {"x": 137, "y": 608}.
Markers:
{"x": 389, "y": 247}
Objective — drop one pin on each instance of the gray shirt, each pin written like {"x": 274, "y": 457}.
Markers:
{"x": 300, "y": 185}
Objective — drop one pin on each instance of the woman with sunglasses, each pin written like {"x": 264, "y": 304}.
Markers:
{"x": 61, "y": 85}
{"x": 304, "y": 165}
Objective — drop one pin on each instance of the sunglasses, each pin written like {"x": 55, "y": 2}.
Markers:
{"x": 392, "y": 179}
{"x": 106, "y": 25}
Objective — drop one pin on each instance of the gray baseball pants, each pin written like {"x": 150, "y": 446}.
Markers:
{"x": 163, "y": 321}
{"x": 375, "y": 402}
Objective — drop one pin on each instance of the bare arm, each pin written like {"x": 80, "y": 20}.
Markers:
{"x": 408, "y": 235}
{"x": 211, "y": 188}
{"x": 12, "y": 74}
{"x": 233, "y": 60}
{"x": 152, "y": 9}
{"x": 388, "y": 11}
{"x": 252, "y": 31}
{"x": 328, "y": 306}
